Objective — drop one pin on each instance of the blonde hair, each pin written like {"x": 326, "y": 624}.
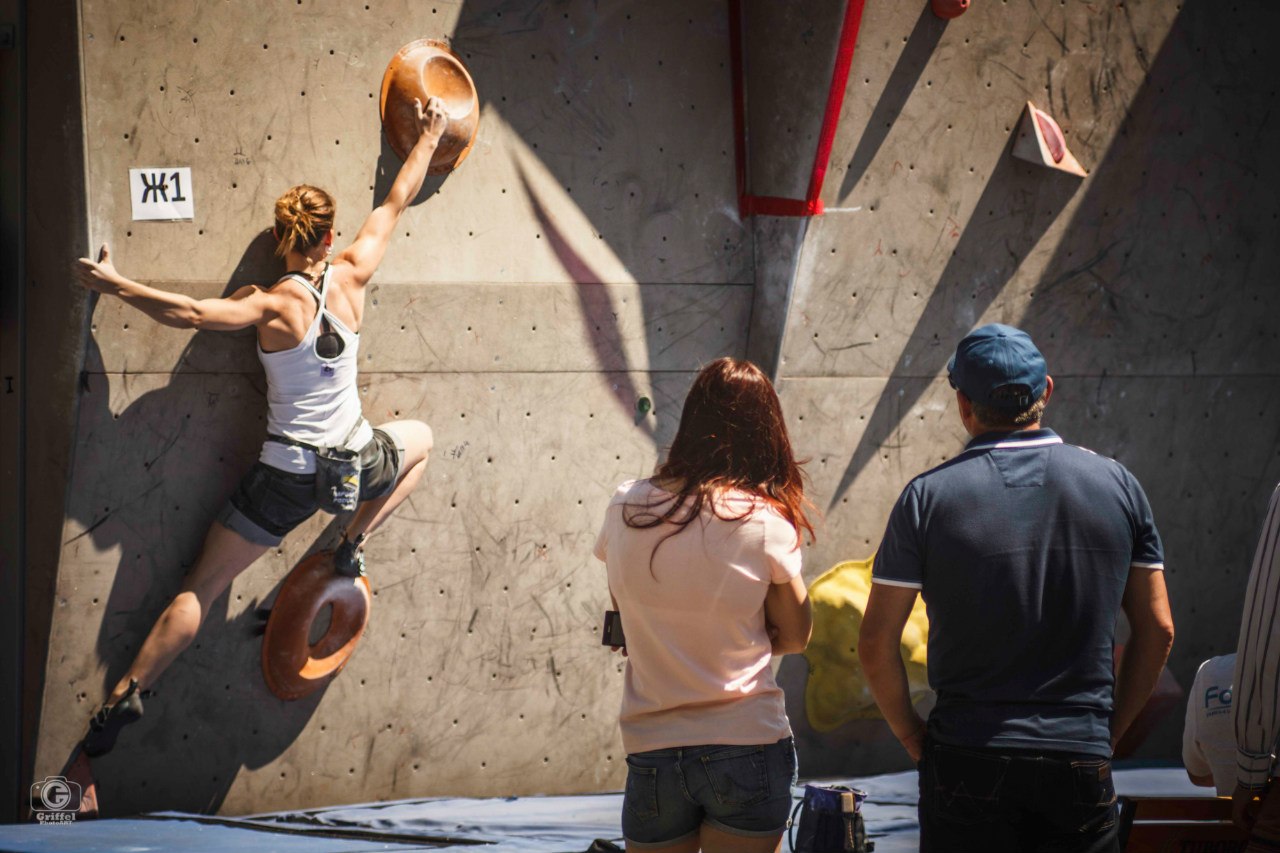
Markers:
{"x": 304, "y": 215}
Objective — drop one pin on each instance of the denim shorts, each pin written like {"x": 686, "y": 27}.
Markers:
{"x": 269, "y": 502}
{"x": 741, "y": 790}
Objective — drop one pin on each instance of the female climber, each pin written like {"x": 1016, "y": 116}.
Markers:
{"x": 307, "y": 326}
{"x": 703, "y": 561}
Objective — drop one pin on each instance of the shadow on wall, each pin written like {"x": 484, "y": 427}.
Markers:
{"x": 1173, "y": 245}
{"x": 176, "y": 452}
{"x": 384, "y": 175}
{"x": 1163, "y": 274}
{"x": 1168, "y": 271}
{"x": 911, "y": 63}
{"x": 1172, "y": 217}
{"x": 987, "y": 255}
{"x": 598, "y": 314}
{"x": 611, "y": 132}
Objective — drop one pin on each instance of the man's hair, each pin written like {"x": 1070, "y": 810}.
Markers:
{"x": 1000, "y": 418}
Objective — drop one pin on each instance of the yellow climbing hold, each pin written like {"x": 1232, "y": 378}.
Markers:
{"x": 837, "y": 691}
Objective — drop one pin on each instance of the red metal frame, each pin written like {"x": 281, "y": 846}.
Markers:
{"x": 811, "y": 205}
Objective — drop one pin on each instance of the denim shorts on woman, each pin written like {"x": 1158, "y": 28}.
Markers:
{"x": 269, "y": 502}
{"x": 741, "y": 790}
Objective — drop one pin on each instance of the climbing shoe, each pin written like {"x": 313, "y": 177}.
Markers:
{"x": 348, "y": 559}
{"x": 105, "y": 726}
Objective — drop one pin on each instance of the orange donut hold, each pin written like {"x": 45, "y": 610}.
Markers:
{"x": 422, "y": 69}
{"x": 292, "y": 665}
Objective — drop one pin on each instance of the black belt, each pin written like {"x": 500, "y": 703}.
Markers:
{"x": 284, "y": 439}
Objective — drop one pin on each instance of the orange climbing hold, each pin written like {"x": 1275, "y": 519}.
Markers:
{"x": 422, "y": 69}
{"x": 294, "y": 666}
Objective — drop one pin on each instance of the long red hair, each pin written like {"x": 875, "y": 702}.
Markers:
{"x": 732, "y": 436}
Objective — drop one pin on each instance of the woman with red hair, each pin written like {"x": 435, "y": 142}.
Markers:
{"x": 703, "y": 562}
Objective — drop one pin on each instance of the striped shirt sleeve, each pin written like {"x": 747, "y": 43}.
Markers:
{"x": 1148, "y": 550}
{"x": 1256, "y": 699}
{"x": 900, "y": 559}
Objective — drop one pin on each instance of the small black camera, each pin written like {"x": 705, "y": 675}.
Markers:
{"x": 612, "y": 634}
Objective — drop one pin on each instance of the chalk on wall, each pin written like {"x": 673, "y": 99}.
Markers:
{"x": 1040, "y": 140}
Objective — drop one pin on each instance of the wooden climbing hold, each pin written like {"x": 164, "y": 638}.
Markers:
{"x": 422, "y": 69}
{"x": 293, "y": 666}
{"x": 1040, "y": 140}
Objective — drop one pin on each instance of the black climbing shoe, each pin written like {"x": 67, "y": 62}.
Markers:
{"x": 105, "y": 726}
{"x": 348, "y": 560}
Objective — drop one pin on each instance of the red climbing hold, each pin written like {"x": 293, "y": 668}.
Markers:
{"x": 1040, "y": 140}
{"x": 948, "y": 9}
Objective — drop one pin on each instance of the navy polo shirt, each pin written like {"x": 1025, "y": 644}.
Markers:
{"x": 1021, "y": 547}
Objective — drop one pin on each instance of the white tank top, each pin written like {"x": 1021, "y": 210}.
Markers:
{"x": 309, "y": 398}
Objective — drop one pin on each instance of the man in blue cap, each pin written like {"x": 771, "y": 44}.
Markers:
{"x": 1024, "y": 549}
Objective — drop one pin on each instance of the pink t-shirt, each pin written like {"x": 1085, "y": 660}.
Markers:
{"x": 698, "y": 667}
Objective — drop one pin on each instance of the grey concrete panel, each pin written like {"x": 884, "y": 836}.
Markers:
{"x": 1150, "y": 266}
{"x": 859, "y": 311}
{"x": 598, "y": 112}
{"x": 790, "y": 53}
{"x": 778, "y": 241}
{"x": 933, "y": 241}
{"x": 477, "y": 327}
{"x": 587, "y": 254}
{"x": 1207, "y": 462}
{"x": 54, "y": 321}
{"x": 935, "y": 95}
{"x": 481, "y": 671}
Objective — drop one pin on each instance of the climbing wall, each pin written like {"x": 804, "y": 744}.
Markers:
{"x": 585, "y": 256}
{"x": 1149, "y": 284}
{"x": 588, "y": 254}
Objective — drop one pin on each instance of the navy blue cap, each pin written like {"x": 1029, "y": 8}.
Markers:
{"x": 996, "y": 356}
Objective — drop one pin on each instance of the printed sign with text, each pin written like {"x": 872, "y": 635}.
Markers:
{"x": 162, "y": 193}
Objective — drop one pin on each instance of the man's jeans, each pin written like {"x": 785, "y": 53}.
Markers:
{"x": 1015, "y": 800}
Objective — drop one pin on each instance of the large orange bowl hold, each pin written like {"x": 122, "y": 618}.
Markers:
{"x": 422, "y": 69}
{"x": 292, "y": 665}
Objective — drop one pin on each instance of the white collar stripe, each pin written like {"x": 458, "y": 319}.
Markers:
{"x": 1016, "y": 443}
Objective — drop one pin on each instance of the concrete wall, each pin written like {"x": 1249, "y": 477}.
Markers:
{"x": 589, "y": 253}
{"x": 586, "y": 254}
{"x": 54, "y": 324}
{"x": 1149, "y": 284}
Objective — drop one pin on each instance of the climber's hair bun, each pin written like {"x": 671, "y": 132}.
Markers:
{"x": 304, "y": 215}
